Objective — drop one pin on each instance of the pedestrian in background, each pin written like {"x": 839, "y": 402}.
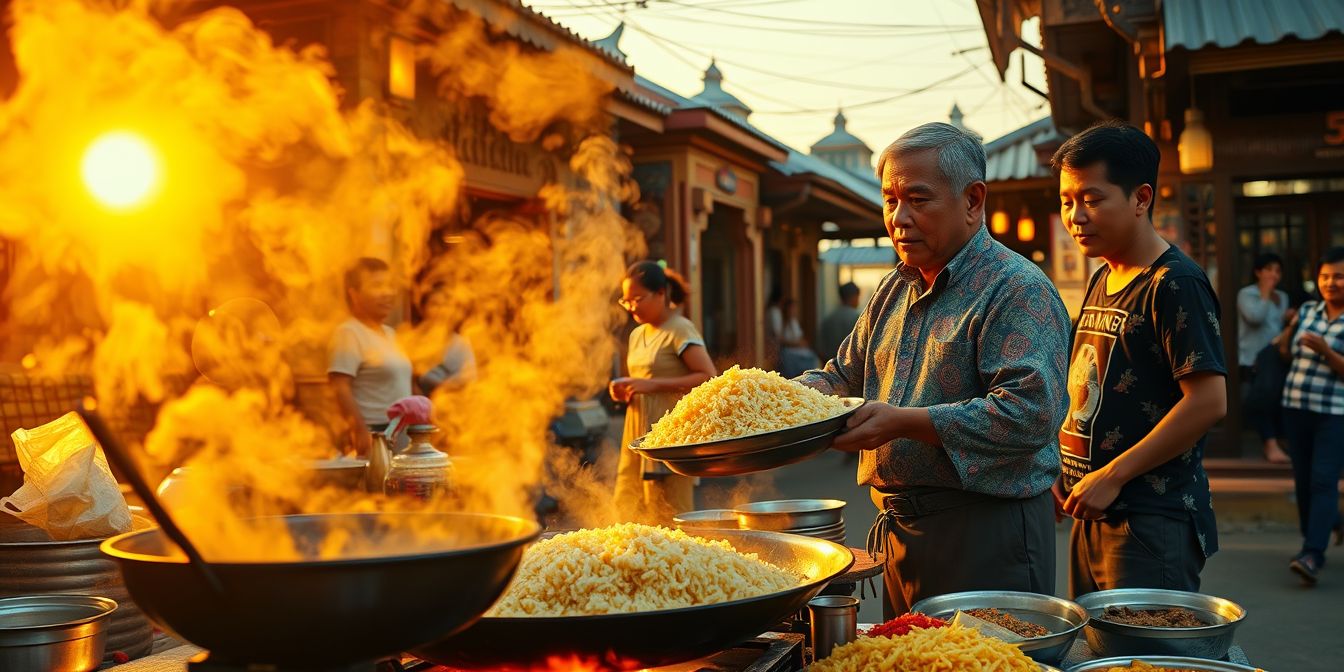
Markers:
{"x": 1261, "y": 311}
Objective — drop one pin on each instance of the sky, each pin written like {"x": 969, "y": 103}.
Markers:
{"x": 892, "y": 64}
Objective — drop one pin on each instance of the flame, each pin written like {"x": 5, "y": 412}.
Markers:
{"x": 155, "y": 175}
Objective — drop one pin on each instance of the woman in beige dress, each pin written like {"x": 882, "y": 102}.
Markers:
{"x": 667, "y": 358}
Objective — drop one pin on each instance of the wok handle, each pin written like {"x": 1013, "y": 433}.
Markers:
{"x": 120, "y": 457}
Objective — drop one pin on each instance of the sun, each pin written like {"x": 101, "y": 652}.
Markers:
{"x": 120, "y": 169}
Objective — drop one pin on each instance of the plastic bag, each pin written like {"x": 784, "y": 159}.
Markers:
{"x": 68, "y": 489}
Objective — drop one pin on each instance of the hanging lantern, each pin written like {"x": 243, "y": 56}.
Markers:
{"x": 1026, "y": 227}
{"x": 998, "y": 223}
{"x": 401, "y": 67}
{"x": 1195, "y": 145}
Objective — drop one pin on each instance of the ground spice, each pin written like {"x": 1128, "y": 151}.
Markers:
{"x": 1174, "y": 617}
{"x": 1006, "y": 620}
{"x": 902, "y": 624}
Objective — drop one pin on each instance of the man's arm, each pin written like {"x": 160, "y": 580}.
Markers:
{"x": 1204, "y": 403}
{"x": 1253, "y": 307}
{"x": 360, "y": 438}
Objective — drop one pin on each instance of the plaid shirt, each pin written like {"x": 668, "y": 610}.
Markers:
{"x": 985, "y": 349}
{"x": 1312, "y": 385}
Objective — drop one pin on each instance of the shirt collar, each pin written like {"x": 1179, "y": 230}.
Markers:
{"x": 957, "y": 266}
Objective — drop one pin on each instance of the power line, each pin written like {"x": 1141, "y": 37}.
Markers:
{"x": 877, "y": 101}
{"x": 811, "y": 22}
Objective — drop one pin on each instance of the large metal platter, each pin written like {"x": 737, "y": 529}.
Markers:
{"x": 752, "y": 442}
{"x": 653, "y": 638}
{"x": 738, "y": 464}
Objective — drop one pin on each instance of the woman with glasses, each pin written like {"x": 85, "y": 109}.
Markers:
{"x": 667, "y": 358}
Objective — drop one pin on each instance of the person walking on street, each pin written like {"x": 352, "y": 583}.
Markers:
{"x": 1313, "y": 412}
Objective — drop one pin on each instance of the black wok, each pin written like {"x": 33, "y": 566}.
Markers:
{"x": 315, "y": 613}
{"x": 653, "y": 638}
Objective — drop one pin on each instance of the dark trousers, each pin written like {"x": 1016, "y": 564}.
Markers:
{"x": 988, "y": 544}
{"x": 1316, "y": 446}
{"x": 1268, "y": 423}
{"x": 1137, "y": 551}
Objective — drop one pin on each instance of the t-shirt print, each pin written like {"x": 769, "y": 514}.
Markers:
{"x": 1130, "y": 350}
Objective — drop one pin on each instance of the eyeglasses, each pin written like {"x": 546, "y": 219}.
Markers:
{"x": 632, "y": 302}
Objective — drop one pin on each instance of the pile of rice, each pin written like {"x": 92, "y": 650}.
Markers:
{"x": 628, "y": 568}
{"x": 928, "y": 650}
{"x": 741, "y": 402}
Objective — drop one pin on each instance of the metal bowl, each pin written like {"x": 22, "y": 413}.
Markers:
{"x": 651, "y": 638}
{"x": 54, "y": 633}
{"x": 753, "y": 442}
{"x": 1171, "y": 662}
{"x": 717, "y": 519}
{"x": 1117, "y": 639}
{"x": 1061, "y": 617}
{"x": 328, "y": 613}
{"x": 792, "y": 515}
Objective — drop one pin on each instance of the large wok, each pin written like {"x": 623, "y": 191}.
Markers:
{"x": 653, "y": 638}
{"x": 329, "y": 612}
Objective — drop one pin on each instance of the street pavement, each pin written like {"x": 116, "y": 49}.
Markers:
{"x": 1289, "y": 628}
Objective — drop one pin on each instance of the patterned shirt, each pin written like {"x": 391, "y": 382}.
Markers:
{"x": 1130, "y": 351}
{"x": 1312, "y": 385}
{"x": 985, "y": 350}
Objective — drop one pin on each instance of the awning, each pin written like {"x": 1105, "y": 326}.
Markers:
{"x": 1195, "y": 24}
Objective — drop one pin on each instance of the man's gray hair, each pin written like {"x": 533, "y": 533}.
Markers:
{"x": 961, "y": 157}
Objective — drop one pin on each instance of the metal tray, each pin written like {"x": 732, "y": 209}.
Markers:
{"x": 752, "y": 442}
{"x": 1064, "y": 619}
{"x": 748, "y": 463}
{"x": 799, "y": 516}
{"x": 651, "y": 638}
{"x": 1173, "y": 662}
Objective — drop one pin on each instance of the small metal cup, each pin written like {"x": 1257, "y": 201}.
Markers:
{"x": 835, "y": 621}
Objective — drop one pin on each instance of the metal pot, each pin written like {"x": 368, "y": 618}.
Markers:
{"x": 1108, "y": 638}
{"x": 32, "y": 564}
{"x": 53, "y": 633}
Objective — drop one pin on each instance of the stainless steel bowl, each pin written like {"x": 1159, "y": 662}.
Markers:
{"x": 1061, "y": 617}
{"x": 1117, "y": 639}
{"x": 715, "y": 519}
{"x": 1172, "y": 662}
{"x": 791, "y": 514}
{"x": 53, "y": 633}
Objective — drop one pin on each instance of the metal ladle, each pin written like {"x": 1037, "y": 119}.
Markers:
{"x": 121, "y": 458}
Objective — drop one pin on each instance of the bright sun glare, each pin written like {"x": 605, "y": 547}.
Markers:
{"x": 120, "y": 169}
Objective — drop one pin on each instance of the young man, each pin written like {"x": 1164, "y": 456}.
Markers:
{"x": 1146, "y": 379}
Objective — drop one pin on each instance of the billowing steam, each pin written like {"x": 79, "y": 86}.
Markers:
{"x": 254, "y": 181}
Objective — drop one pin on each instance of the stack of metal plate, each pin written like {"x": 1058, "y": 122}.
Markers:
{"x": 820, "y": 518}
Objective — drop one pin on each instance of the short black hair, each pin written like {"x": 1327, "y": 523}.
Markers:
{"x": 1130, "y": 156}
{"x": 354, "y": 276}
{"x": 849, "y": 290}
{"x": 1265, "y": 259}
{"x": 1333, "y": 255}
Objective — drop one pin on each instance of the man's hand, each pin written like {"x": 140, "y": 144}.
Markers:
{"x": 1057, "y": 489}
{"x": 1092, "y": 495}
{"x": 875, "y": 424}
{"x": 1314, "y": 342}
{"x": 361, "y": 441}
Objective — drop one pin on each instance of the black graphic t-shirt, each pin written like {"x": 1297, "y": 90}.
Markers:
{"x": 1130, "y": 351}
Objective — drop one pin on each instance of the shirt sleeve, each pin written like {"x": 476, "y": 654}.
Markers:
{"x": 1186, "y": 322}
{"x": 345, "y": 355}
{"x": 1022, "y": 353}
{"x": 842, "y": 375}
{"x": 1252, "y": 307}
{"x": 684, "y": 335}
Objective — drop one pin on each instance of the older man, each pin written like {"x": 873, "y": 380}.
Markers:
{"x": 962, "y": 354}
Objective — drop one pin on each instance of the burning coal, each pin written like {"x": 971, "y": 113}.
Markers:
{"x": 163, "y": 178}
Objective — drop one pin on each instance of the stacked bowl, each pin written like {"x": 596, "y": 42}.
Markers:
{"x": 820, "y": 518}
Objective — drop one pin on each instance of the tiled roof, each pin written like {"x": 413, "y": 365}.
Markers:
{"x": 1195, "y": 24}
{"x": 681, "y": 102}
{"x": 859, "y": 256}
{"x": 862, "y": 187}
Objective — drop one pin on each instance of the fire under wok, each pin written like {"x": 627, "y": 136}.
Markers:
{"x": 652, "y": 638}
{"x": 329, "y": 612}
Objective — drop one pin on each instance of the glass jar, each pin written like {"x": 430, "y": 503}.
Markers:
{"x": 421, "y": 471}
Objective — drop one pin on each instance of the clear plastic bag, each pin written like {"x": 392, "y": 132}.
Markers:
{"x": 68, "y": 489}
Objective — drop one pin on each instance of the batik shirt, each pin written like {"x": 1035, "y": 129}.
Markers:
{"x": 1130, "y": 351}
{"x": 984, "y": 349}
